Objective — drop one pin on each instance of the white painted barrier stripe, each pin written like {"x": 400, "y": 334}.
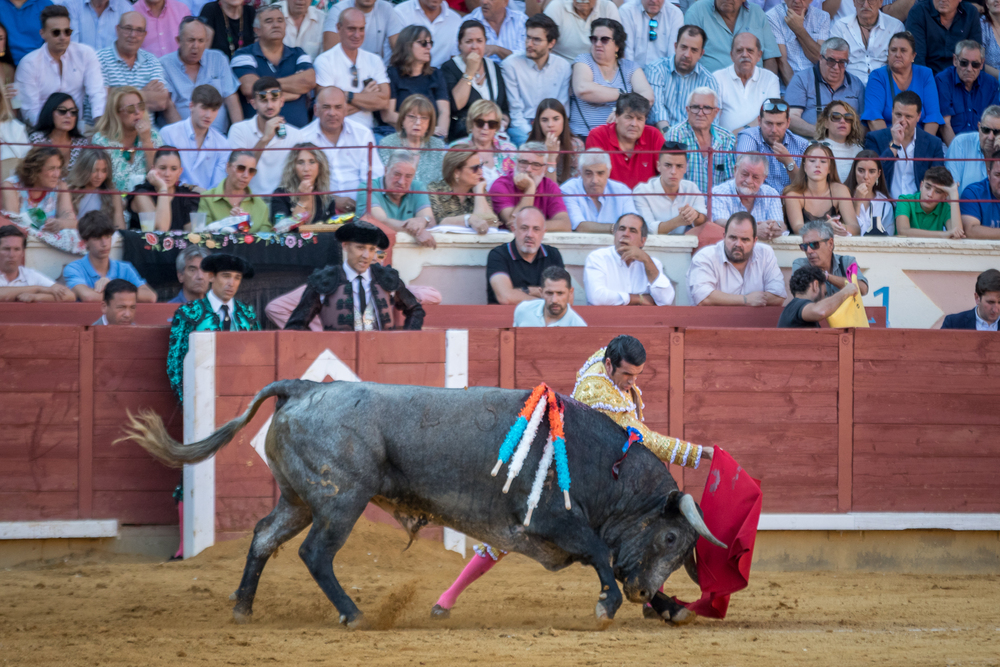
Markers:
{"x": 456, "y": 376}
{"x": 881, "y": 521}
{"x": 199, "y": 423}
{"x": 53, "y": 530}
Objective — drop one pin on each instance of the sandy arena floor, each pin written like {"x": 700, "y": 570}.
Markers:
{"x": 106, "y": 611}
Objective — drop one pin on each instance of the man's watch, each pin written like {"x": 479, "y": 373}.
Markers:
{"x": 350, "y": 97}
{"x": 790, "y": 166}
{"x": 895, "y": 147}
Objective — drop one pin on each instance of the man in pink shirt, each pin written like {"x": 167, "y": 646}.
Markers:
{"x": 163, "y": 23}
{"x": 527, "y": 186}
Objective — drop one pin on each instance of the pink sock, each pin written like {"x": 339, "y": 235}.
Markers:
{"x": 180, "y": 516}
{"x": 477, "y": 567}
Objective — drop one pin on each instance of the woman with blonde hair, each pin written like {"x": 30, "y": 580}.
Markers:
{"x": 414, "y": 131}
{"x": 12, "y": 131}
{"x": 92, "y": 173}
{"x": 462, "y": 174}
{"x": 126, "y": 129}
{"x": 818, "y": 194}
{"x": 496, "y": 156}
{"x": 839, "y": 127}
{"x": 305, "y": 166}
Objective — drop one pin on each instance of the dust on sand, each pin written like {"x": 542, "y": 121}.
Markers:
{"x": 112, "y": 611}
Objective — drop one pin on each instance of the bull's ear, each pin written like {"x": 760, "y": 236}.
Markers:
{"x": 672, "y": 503}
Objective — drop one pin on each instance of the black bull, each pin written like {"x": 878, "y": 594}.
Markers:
{"x": 425, "y": 455}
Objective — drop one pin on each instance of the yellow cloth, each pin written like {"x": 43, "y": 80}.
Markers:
{"x": 596, "y": 389}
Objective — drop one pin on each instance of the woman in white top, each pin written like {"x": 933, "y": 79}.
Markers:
{"x": 471, "y": 76}
{"x": 839, "y": 127}
{"x": 867, "y": 186}
{"x": 668, "y": 203}
{"x": 12, "y": 131}
{"x": 92, "y": 172}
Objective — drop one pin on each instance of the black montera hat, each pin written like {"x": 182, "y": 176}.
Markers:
{"x": 360, "y": 231}
{"x": 219, "y": 262}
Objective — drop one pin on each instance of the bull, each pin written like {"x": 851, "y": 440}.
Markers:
{"x": 424, "y": 455}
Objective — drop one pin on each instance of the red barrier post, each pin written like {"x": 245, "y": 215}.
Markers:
{"x": 368, "y": 185}
{"x": 711, "y": 174}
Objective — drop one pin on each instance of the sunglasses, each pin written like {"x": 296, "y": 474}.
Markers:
{"x": 67, "y": 111}
{"x": 492, "y": 124}
{"x": 273, "y": 94}
{"x": 974, "y": 64}
{"x": 354, "y": 76}
{"x": 476, "y": 168}
{"x": 989, "y": 130}
{"x": 56, "y": 32}
{"x": 653, "y": 25}
{"x": 426, "y": 43}
{"x": 243, "y": 169}
{"x": 812, "y": 244}
{"x": 603, "y": 39}
{"x": 132, "y": 108}
{"x": 774, "y": 105}
{"x": 192, "y": 19}
{"x": 835, "y": 62}
{"x": 836, "y": 115}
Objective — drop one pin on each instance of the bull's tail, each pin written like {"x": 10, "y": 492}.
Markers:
{"x": 148, "y": 431}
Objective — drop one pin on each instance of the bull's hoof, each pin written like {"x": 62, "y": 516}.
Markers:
{"x": 234, "y": 595}
{"x": 439, "y": 613}
{"x": 604, "y": 619}
{"x": 359, "y": 622}
{"x": 683, "y": 616}
{"x": 242, "y": 616}
{"x": 650, "y": 613}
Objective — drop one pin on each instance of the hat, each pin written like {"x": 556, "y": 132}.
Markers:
{"x": 218, "y": 262}
{"x": 360, "y": 231}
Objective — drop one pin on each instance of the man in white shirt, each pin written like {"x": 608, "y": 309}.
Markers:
{"x": 799, "y": 30}
{"x": 504, "y": 28}
{"x": 204, "y": 165}
{"x": 303, "y": 26}
{"x": 382, "y": 24}
{"x": 126, "y": 63}
{"x": 736, "y": 271}
{"x": 554, "y": 309}
{"x": 331, "y": 130}
{"x": 261, "y": 132}
{"x": 671, "y": 203}
{"x": 868, "y": 35}
{"x": 624, "y": 274}
{"x": 18, "y": 283}
{"x": 60, "y": 66}
{"x": 94, "y": 21}
{"x": 360, "y": 74}
{"x": 651, "y": 26}
{"x": 597, "y": 212}
{"x": 574, "y": 18}
{"x": 743, "y": 86}
{"x": 442, "y": 21}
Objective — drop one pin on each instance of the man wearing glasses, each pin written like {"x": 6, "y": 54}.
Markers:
{"x": 125, "y": 63}
{"x": 867, "y": 33}
{"x": 938, "y": 25}
{"x": 799, "y": 31}
{"x": 261, "y": 131}
{"x": 967, "y": 153}
{"x": 700, "y": 133}
{"x": 652, "y": 27}
{"x": 95, "y": 20}
{"x": 772, "y": 138}
{"x": 818, "y": 245}
{"x": 574, "y": 18}
{"x": 965, "y": 90}
{"x": 812, "y": 89}
{"x": 527, "y": 187}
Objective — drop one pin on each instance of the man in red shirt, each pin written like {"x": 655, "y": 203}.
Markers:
{"x": 629, "y": 133}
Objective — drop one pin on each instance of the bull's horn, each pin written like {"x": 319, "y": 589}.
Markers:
{"x": 690, "y": 511}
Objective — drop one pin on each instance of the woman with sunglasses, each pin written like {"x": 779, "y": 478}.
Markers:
{"x": 417, "y": 118}
{"x": 872, "y": 206}
{"x": 12, "y": 131}
{"x": 551, "y": 127}
{"x": 35, "y": 187}
{"x": 57, "y": 126}
{"x": 839, "y": 127}
{"x": 410, "y": 73}
{"x": 305, "y": 166}
{"x": 95, "y": 191}
{"x": 816, "y": 193}
{"x": 898, "y": 75}
{"x": 126, "y": 129}
{"x": 232, "y": 197}
{"x": 157, "y": 194}
{"x": 601, "y": 77}
{"x": 462, "y": 174}
{"x": 471, "y": 76}
{"x": 497, "y": 156}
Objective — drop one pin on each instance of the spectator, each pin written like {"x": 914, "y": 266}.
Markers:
{"x": 990, "y": 25}
{"x": 808, "y": 307}
{"x": 127, "y": 127}
{"x": 551, "y": 127}
{"x": 203, "y": 148}
{"x": 439, "y": 19}
{"x": 555, "y": 308}
{"x": 526, "y": 188}
{"x": 674, "y": 77}
{"x": 194, "y": 281}
{"x": 268, "y": 56}
{"x": 700, "y": 134}
{"x": 772, "y": 139}
{"x": 260, "y": 132}
{"x": 7, "y": 64}
{"x": 722, "y": 20}
{"x": 839, "y": 128}
{"x": 94, "y": 21}
{"x": 818, "y": 245}
{"x": 652, "y": 26}
{"x": 937, "y": 25}
{"x": 463, "y": 173}
{"x": 88, "y": 277}
{"x": 303, "y": 26}
{"x": 933, "y": 212}
{"x": 514, "y": 270}
{"x": 906, "y": 141}
{"x": 798, "y": 33}
{"x": 163, "y": 22}
{"x": 624, "y": 274}
{"x": 22, "y": 17}
{"x": 36, "y": 190}
{"x": 125, "y": 64}
{"x": 92, "y": 172}
{"x": 743, "y": 86}
{"x": 18, "y": 283}
{"x": 399, "y": 208}
{"x": 574, "y": 19}
{"x": 816, "y": 193}
{"x": 867, "y": 186}
{"x": 676, "y": 206}
{"x": 410, "y": 73}
{"x": 632, "y": 143}
{"x": 485, "y": 82}
{"x": 334, "y": 134}
{"x": 867, "y": 33}
{"x": 748, "y": 192}
{"x": 533, "y": 77}
{"x": 57, "y": 126}
{"x": 901, "y": 75}
{"x": 232, "y": 24}
{"x": 12, "y": 131}
{"x": 981, "y": 219}
{"x": 382, "y": 26}
{"x": 986, "y": 314}
{"x": 973, "y": 147}
{"x": 835, "y": 83}
{"x": 233, "y": 196}
{"x": 965, "y": 90}
{"x": 605, "y": 201}
{"x": 157, "y": 194}
{"x": 357, "y": 72}
{"x": 58, "y": 66}
{"x": 417, "y": 119}
{"x": 736, "y": 271}
{"x": 305, "y": 169}
{"x": 209, "y": 67}
{"x": 497, "y": 156}
{"x": 118, "y": 304}
{"x": 504, "y": 26}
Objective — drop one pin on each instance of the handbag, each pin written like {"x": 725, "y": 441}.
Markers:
{"x": 851, "y": 313}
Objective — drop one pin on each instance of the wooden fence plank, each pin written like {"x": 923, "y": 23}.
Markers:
{"x": 484, "y": 357}
{"x": 26, "y": 341}
{"x": 507, "y": 358}
{"x": 761, "y": 344}
{"x": 912, "y": 345}
{"x": 297, "y": 350}
{"x": 58, "y": 441}
{"x": 150, "y": 508}
{"x": 130, "y": 374}
{"x": 40, "y": 409}
{"x": 927, "y": 377}
{"x": 675, "y": 423}
{"x": 132, "y": 343}
{"x": 239, "y": 380}
{"x": 86, "y": 447}
{"x": 19, "y": 375}
{"x": 40, "y": 475}
{"x": 744, "y": 408}
{"x": 241, "y": 514}
{"x": 239, "y": 348}
{"x": 760, "y": 376}
{"x": 915, "y": 408}
{"x": 35, "y": 506}
{"x": 134, "y": 474}
{"x": 845, "y": 423}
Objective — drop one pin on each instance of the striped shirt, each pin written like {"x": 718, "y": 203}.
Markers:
{"x": 117, "y": 72}
{"x": 512, "y": 31}
{"x": 724, "y": 202}
{"x": 584, "y": 116}
{"x": 751, "y": 141}
{"x": 723, "y": 164}
{"x": 671, "y": 89}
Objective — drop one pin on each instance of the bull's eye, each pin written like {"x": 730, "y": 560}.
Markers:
{"x": 671, "y": 538}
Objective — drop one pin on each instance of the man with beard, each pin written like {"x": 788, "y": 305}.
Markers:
{"x": 748, "y": 193}
{"x": 736, "y": 271}
{"x": 261, "y": 132}
{"x": 553, "y": 309}
{"x": 624, "y": 274}
{"x": 514, "y": 270}
{"x": 744, "y": 86}
{"x": 808, "y": 305}
{"x": 674, "y": 77}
